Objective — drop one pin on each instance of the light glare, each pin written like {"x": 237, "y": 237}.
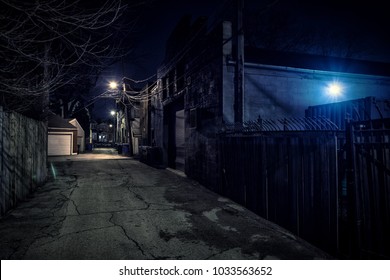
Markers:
{"x": 335, "y": 89}
{"x": 113, "y": 85}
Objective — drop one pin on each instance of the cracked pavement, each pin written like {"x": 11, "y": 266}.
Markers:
{"x": 106, "y": 206}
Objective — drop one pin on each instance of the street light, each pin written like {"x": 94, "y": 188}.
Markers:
{"x": 335, "y": 89}
{"x": 113, "y": 113}
{"x": 113, "y": 85}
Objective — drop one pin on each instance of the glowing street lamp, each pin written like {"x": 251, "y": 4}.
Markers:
{"x": 335, "y": 89}
{"x": 113, "y": 85}
{"x": 113, "y": 113}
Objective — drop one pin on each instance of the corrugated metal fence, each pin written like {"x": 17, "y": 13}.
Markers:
{"x": 23, "y": 156}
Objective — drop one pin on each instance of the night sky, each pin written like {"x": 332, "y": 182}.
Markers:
{"x": 330, "y": 23}
{"x": 370, "y": 23}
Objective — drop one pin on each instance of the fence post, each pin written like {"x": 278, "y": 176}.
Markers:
{"x": 354, "y": 205}
{"x": 2, "y": 191}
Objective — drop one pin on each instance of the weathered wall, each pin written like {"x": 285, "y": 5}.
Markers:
{"x": 23, "y": 156}
{"x": 80, "y": 144}
{"x": 203, "y": 98}
{"x": 271, "y": 92}
{"x": 192, "y": 82}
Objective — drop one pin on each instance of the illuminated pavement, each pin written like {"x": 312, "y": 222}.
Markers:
{"x": 105, "y": 206}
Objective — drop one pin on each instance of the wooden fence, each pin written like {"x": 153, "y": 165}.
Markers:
{"x": 368, "y": 187}
{"x": 23, "y": 156}
{"x": 289, "y": 178}
{"x": 332, "y": 188}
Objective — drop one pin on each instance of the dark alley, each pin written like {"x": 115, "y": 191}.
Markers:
{"x": 105, "y": 206}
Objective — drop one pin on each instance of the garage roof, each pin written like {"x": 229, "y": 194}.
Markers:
{"x": 57, "y": 122}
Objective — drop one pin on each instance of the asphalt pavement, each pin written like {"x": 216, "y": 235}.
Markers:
{"x": 106, "y": 206}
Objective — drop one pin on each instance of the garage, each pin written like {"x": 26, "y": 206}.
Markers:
{"x": 60, "y": 144}
{"x": 62, "y": 137}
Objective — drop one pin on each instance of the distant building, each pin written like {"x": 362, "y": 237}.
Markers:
{"x": 128, "y": 116}
{"x": 80, "y": 135}
{"x": 62, "y": 137}
{"x": 102, "y": 133}
{"x": 195, "y": 96}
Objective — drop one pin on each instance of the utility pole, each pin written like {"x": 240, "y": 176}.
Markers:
{"x": 239, "y": 69}
{"x": 128, "y": 120}
{"x": 46, "y": 95}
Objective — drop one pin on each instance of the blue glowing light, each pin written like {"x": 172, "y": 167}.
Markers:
{"x": 53, "y": 170}
{"x": 335, "y": 89}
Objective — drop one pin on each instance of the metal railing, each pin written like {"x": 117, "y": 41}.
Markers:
{"x": 283, "y": 124}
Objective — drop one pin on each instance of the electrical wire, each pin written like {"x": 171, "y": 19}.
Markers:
{"x": 147, "y": 94}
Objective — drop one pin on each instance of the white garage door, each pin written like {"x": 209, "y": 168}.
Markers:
{"x": 59, "y": 144}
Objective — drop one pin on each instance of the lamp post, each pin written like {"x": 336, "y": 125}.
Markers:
{"x": 114, "y": 86}
{"x": 129, "y": 128}
{"x": 113, "y": 113}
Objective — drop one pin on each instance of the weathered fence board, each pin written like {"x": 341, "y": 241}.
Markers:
{"x": 371, "y": 186}
{"x": 23, "y": 155}
{"x": 288, "y": 178}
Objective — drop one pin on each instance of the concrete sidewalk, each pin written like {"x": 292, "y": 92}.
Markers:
{"x": 105, "y": 206}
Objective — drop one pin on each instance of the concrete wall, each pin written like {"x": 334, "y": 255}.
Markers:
{"x": 80, "y": 135}
{"x": 272, "y": 92}
{"x": 276, "y": 92}
{"x": 204, "y": 96}
{"x": 23, "y": 155}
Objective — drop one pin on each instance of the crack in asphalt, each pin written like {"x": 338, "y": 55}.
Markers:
{"x": 99, "y": 212}
{"x": 49, "y": 225}
{"x": 179, "y": 257}
{"x": 75, "y": 206}
{"x": 70, "y": 196}
{"x": 139, "y": 197}
{"x": 128, "y": 237}
{"x": 54, "y": 232}
{"x": 148, "y": 204}
{"x": 49, "y": 233}
{"x": 219, "y": 253}
{"x": 56, "y": 238}
{"x": 42, "y": 234}
{"x": 15, "y": 250}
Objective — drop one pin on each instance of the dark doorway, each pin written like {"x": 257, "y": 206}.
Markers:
{"x": 174, "y": 134}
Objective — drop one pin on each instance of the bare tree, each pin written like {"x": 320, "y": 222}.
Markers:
{"x": 47, "y": 44}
